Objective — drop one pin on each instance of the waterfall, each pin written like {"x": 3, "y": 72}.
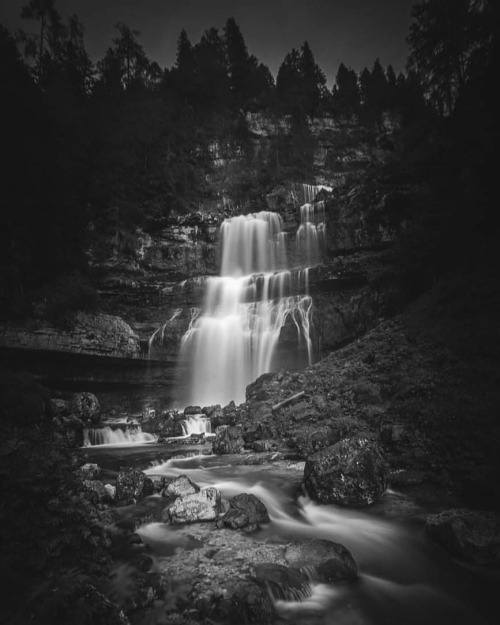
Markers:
{"x": 116, "y": 436}
{"x": 196, "y": 424}
{"x": 235, "y": 337}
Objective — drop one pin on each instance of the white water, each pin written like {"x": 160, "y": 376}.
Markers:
{"x": 196, "y": 424}
{"x": 403, "y": 578}
{"x": 235, "y": 338}
{"x": 116, "y": 436}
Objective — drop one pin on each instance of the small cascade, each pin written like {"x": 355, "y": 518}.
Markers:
{"x": 235, "y": 338}
{"x": 311, "y": 191}
{"x": 196, "y": 424}
{"x": 310, "y": 236}
{"x": 116, "y": 436}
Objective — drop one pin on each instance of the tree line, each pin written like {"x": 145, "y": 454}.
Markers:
{"x": 108, "y": 146}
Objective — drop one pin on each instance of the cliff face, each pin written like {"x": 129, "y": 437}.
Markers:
{"x": 151, "y": 278}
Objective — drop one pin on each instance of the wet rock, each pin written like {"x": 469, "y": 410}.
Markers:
{"x": 283, "y": 582}
{"x": 468, "y": 534}
{"x": 228, "y": 440}
{"x": 212, "y": 412}
{"x": 86, "y": 406}
{"x": 249, "y": 603}
{"x": 89, "y": 471}
{"x": 181, "y": 486}
{"x": 192, "y": 410}
{"x": 132, "y": 485}
{"x": 325, "y": 560}
{"x": 349, "y": 473}
{"x": 204, "y": 505}
{"x": 246, "y": 511}
{"x": 166, "y": 425}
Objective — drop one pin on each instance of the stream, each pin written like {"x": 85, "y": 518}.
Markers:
{"x": 403, "y": 577}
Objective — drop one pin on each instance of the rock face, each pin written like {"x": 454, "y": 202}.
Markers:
{"x": 98, "y": 334}
{"x": 349, "y": 473}
{"x": 228, "y": 440}
{"x": 468, "y": 534}
{"x": 131, "y": 485}
{"x": 328, "y": 561}
{"x": 204, "y": 505}
{"x": 245, "y": 512}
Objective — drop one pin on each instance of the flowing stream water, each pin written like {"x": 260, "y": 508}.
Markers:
{"x": 404, "y": 578}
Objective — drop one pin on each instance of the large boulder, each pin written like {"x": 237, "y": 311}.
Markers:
{"x": 180, "y": 487}
{"x": 468, "y": 534}
{"x": 86, "y": 406}
{"x": 204, "y": 505}
{"x": 350, "y": 473}
{"x": 228, "y": 440}
{"x": 132, "y": 485}
{"x": 325, "y": 560}
{"x": 245, "y": 512}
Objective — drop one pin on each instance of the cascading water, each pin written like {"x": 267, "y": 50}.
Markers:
{"x": 235, "y": 338}
{"x": 116, "y": 436}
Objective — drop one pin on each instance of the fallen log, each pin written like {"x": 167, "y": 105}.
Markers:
{"x": 288, "y": 400}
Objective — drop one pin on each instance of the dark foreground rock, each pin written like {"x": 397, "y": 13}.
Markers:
{"x": 325, "y": 560}
{"x": 349, "y": 473}
{"x": 468, "y": 534}
{"x": 246, "y": 512}
{"x": 283, "y": 582}
{"x": 132, "y": 485}
{"x": 228, "y": 440}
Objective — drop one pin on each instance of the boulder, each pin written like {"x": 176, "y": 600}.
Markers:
{"x": 192, "y": 410}
{"x": 350, "y": 473}
{"x": 86, "y": 406}
{"x": 468, "y": 534}
{"x": 325, "y": 560}
{"x": 204, "y": 505}
{"x": 245, "y": 512}
{"x": 89, "y": 471}
{"x": 228, "y": 440}
{"x": 180, "y": 487}
{"x": 110, "y": 492}
{"x": 283, "y": 582}
{"x": 132, "y": 485}
{"x": 248, "y": 602}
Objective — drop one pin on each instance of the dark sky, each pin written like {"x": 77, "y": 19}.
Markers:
{"x": 352, "y": 31}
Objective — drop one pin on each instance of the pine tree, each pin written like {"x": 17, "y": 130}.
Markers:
{"x": 346, "y": 96}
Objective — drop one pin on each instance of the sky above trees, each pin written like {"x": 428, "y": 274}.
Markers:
{"x": 354, "y": 32}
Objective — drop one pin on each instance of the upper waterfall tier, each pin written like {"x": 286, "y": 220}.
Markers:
{"x": 252, "y": 244}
